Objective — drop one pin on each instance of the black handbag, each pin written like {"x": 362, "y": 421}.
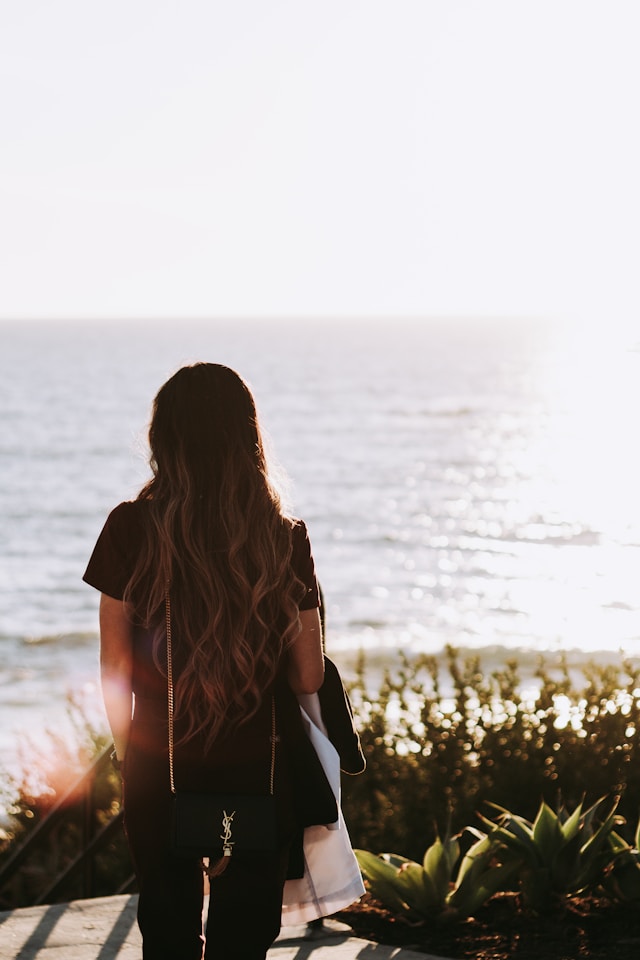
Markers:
{"x": 218, "y": 826}
{"x": 337, "y": 715}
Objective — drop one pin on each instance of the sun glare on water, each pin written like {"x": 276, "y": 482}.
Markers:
{"x": 584, "y": 471}
{"x": 594, "y": 389}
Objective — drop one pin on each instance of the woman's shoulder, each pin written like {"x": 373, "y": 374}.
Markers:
{"x": 298, "y": 525}
{"x": 129, "y": 508}
{"x": 127, "y": 517}
{"x": 116, "y": 549}
{"x": 299, "y": 534}
{"x": 303, "y": 564}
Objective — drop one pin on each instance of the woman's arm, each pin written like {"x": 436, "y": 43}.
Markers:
{"x": 306, "y": 662}
{"x": 116, "y": 669}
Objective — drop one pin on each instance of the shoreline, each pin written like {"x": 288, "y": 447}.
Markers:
{"x": 491, "y": 658}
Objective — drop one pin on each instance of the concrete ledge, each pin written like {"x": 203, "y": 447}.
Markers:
{"x": 105, "y": 929}
{"x": 100, "y": 929}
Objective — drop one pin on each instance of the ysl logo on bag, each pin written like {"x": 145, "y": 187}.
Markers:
{"x": 227, "y": 842}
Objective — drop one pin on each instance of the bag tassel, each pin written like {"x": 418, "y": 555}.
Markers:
{"x": 218, "y": 868}
{"x": 213, "y": 870}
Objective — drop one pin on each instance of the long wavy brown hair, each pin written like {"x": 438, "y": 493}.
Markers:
{"x": 217, "y": 533}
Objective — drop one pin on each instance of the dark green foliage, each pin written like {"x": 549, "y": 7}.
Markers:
{"x": 439, "y": 740}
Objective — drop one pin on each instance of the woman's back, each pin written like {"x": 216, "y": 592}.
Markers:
{"x": 207, "y": 557}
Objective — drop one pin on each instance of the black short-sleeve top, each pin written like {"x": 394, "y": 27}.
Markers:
{"x": 112, "y": 563}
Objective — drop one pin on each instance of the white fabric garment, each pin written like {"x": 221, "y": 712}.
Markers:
{"x": 332, "y": 878}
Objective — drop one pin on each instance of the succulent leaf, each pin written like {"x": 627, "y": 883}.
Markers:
{"x": 479, "y": 853}
{"x": 547, "y": 834}
{"x": 571, "y": 825}
{"x": 436, "y": 866}
{"x": 382, "y": 880}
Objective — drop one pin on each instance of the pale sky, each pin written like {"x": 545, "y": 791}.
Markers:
{"x": 335, "y": 157}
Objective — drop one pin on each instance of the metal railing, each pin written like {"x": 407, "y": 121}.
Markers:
{"x": 92, "y": 840}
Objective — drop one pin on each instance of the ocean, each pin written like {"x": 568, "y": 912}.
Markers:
{"x": 467, "y": 482}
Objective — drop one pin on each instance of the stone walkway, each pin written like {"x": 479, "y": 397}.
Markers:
{"x": 106, "y": 929}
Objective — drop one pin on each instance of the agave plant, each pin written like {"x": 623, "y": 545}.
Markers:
{"x": 557, "y": 855}
{"x": 622, "y": 880}
{"x": 443, "y": 886}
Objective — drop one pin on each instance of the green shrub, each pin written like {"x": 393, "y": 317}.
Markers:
{"x": 438, "y": 739}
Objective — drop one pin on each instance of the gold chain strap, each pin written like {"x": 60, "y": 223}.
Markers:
{"x": 167, "y": 617}
{"x": 170, "y": 704}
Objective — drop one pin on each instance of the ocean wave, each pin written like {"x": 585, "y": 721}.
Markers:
{"x": 368, "y": 624}
{"x": 533, "y": 534}
{"x": 435, "y": 410}
{"x": 71, "y": 640}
